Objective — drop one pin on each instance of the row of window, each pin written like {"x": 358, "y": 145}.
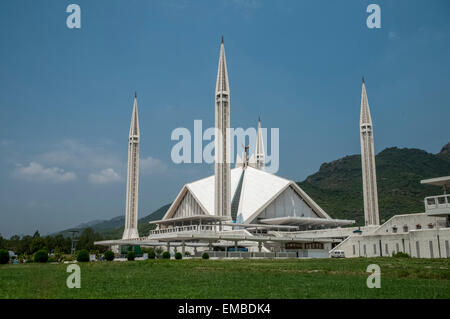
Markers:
{"x": 304, "y": 246}
{"x": 397, "y": 249}
{"x": 406, "y": 228}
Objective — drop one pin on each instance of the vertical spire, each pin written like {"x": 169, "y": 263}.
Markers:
{"x": 260, "y": 154}
{"x": 134, "y": 126}
{"x": 131, "y": 209}
{"x": 222, "y": 73}
{"x": 222, "y": 175}
{"x": 369, "y": 175}
{"x": 365, "y": 110}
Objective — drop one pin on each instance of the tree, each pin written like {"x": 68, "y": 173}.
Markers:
{"x": 4, "y": 256}
{"x": 109, "y": 255}
{"x": 83, "y": 256}
{"x": 41, "y": 256}
{"x": 130, "y": 255}
{"x": 2, "y": 242}
{"x": 166, "y": 255}
{"x": 87, "y": 239}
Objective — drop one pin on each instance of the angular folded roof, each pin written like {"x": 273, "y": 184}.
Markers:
{"x": 252, "y": 190}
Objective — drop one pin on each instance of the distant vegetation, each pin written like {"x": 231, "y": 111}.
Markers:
{"x": 337, "y": 186}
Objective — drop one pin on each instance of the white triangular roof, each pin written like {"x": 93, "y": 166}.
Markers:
{"x": 259, "y": 189}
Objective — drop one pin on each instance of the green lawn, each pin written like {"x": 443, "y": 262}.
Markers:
{"x": 285, "y": 278}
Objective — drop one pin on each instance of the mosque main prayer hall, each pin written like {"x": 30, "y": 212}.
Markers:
{"x": 247, "y": 212}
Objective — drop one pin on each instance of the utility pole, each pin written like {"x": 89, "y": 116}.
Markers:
{"x": 74, "y": 240}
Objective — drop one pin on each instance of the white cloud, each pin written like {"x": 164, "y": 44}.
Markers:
{"x": 392, "y": 35}
{"x": 105, "y": 176}
{"x": 5, "y": 142}
{"x": 37, "y": 172}
{"x": 80, "y": 156}
{"x": 249, "y": 4}
{"x": 151, "y": 165}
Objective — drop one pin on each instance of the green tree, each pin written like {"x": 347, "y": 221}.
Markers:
{"x": 87, "y": 239}
{"x": 4, "y": 256}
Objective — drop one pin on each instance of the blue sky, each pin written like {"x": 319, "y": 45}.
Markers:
{"x": 66, "y": 94}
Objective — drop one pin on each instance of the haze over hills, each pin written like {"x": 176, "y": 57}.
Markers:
{"x": 337, "y": 188}
{"x": 113, "y": 228}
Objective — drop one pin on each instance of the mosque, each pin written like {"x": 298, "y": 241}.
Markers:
{"x": 246, "y": 212}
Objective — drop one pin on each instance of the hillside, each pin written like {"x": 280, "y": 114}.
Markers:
{"x": 337, "y": 186}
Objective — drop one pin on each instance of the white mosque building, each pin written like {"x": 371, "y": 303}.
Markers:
{"x": 247, "y": 212}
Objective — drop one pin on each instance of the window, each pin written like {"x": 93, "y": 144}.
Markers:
{"x": 418, "y": 226}
{"x": 430, "y": 225}
{"x": 396, "y": 246}
{"x": 405, "y": 228}
{"x": 431, "y": 201}
{"x": 387, "y": 250}
{"x": 365, "y": 253}
{"x": 447, "y": 248}
{"x": 431, "y": 249}
{"x": 418, "y": 249}
{"x": 354, "y": 250}
{"x": 394, "y": 229}
{"x": 375, "y": 249}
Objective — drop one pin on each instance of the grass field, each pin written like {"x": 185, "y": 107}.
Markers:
{"x": 284, "y": 278}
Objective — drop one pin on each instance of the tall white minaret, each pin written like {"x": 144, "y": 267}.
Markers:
{"x": 260, "y": 154}
{"x": 131, "y": 211}
{"x": 369, "y": 175}
{"x": 222, "y": 187}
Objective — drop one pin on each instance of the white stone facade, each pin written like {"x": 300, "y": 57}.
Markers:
{"x": 418, "y": 235}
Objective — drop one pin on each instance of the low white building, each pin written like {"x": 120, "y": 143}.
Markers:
{"x": 424, "y": 235}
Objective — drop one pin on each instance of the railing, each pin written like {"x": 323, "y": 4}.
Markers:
{"x": 437, "y": 202}
{"x": 179, "y": 229}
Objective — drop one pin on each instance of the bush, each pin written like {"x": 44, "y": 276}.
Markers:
{"x": 4, "y": 256}
{"x": 109, "y": 255}
{"x": 83, "y": 256}
{"x": 186, "y": 253}
{"x": 205, "y": 256}
{"x": 130, "y": 255}
{"x": 178, "y": 256}
{"x": 400, "y": 255}
{"x": 41, "y": 256}
{"x": 166, "y": 255}
{"x": 52, "y": 260}
{"x": 152, "y": 254}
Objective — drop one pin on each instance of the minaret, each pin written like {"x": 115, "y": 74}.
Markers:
{"x": 131, "y": 211}
{"x": 368, "y": 162}
{"x": 260, "y": 155}
{"x": 222, "y": 189}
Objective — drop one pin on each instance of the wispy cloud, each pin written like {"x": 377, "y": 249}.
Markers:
{"x": 36, "y": 172}
{"x": 151, "y": 165}
{"x": 105, "y": 176}
{"x": 392, "y": 35}
{"x": 250, "y": 4}
{"x": 5, "y": 142}
{"x": 78, "y": 155}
